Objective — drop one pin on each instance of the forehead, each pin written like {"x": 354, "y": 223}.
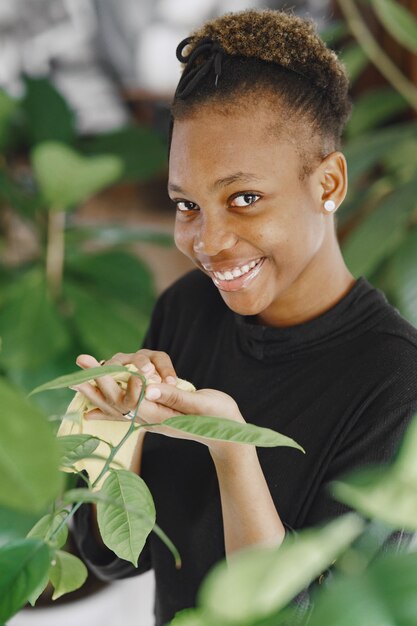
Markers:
{"x": 210, "y": 144}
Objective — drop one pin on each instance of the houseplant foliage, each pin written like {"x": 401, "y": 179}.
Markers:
{"x": 62, "y": 298}
{"x": 36, "y": 505}
{"x": 378, "y": 220}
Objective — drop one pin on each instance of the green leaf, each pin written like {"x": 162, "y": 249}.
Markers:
{"x": 366, "y": 151}
{"x": 15, "y": 524}
{"x": 398, "y": 21}
{"x": 47, "y": 525}
{"x": 140, "y": 150}
{"x": 332, "y": 34}
{"x": 49, "y": 116}
{"x": 355, "y": 60}
{"x": 373, "y": 108}
{"x": 67, "y": 574}
{"x": 22, "y": 565}
{"x": 116, "y": 276}
{"x": 229, "y": 430}
{"x": 380, "y": 233}
{"x": 16, "y": 196}
{"x": 28, "y": 320}
{"x": 257, "y": 581}
{"x": 193, "y": 617}
{"x": 388, "y": 494}
{"x": 115, "y": 235}
{"x": 29, "y": 454}
{"x": 105, "y": 325}
{"x": 8, "y": 111}
{"x": 384, "y": 594}
{"x": 402, "y": 276}
{"x": 67, "y": 178}
{"x": 125, "y": 532}
{"x": 81, "y": 376}
{"x": 76, "y": 447}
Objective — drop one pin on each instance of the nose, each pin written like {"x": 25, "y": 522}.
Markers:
{"x": 213, "y": 236}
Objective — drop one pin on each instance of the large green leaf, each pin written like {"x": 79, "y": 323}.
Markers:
{"x": 76, "y": 447}
{"x": 49, "y": 117}
{"x": 381, "y": 232}
{"x": 403, "y": 278}
{"x": 67, "y": 573}
{"x": 373, "y": 108}
{"x": 383, "y": 595}
{"x": 15, "y": 524}
{"x": 31, "y": 328}
{"x": 398, "y": 21}
{"x": 8, "y": 111}
{"x": 22, "y": 565}
{"x": 229, "y": 430}
{"x": 102, "y": 325}
{"x": 257, "y": 581}
{"x": 124, "y": 531}
{"x": 67, "y": 178}
{"x": 29, "y": 454}
{"x": 115, "y": 275}
{"x": 388, "y": 494}
{"x": 140, "y": 150}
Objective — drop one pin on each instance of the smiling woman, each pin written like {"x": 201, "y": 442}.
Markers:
{"x": 272, "y": 327}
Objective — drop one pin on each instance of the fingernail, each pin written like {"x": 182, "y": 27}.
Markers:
{"x": 170, "y": 380}
{"x": 148, "y": 367}
{"x": 153, "y": 393}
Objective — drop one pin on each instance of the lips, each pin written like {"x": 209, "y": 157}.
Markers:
{"x": 236, "y": 278}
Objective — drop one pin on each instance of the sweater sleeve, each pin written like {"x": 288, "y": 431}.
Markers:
{"x": 100, "y": 560}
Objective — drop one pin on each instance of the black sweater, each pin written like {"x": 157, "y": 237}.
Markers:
{"x": 343, "y": 385}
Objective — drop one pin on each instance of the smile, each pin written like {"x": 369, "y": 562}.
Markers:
{"x": 238, "y": 277}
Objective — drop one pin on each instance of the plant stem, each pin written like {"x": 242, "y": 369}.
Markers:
{"x": 55, "y": 252}
{"x": 376, "y": 54}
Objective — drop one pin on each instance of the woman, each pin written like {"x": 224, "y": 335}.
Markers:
{"x": 272, "y": 328}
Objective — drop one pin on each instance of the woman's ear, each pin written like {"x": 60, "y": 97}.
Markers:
{"x": 333, "y": 181}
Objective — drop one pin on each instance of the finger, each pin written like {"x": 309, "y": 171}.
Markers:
{"x": 106, "y": 384}
{"x": 96, "y": 414}
{"x": 96, "y": 398}
{"x": 174, "y": 398}
{"x": 86, "y": 360}
{"x": 160, "y": 360}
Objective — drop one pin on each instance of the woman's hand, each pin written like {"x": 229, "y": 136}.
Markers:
{"x": 111, "y": 400}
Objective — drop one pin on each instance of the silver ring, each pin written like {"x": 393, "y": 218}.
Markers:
{"x": 130, "y": 415}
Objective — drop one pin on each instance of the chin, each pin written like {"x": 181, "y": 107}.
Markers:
{"x": 243, "y": 308}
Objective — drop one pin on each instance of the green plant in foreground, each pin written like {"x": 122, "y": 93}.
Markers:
{"x": 32, "y": 486}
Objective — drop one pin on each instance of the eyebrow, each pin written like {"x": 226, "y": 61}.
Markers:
{"x": 244, "y": 177}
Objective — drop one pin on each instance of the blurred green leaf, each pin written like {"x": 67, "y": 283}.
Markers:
{"x": 401, "y": 160}
{"x": 388, "y": 494}
{"x": 15, "y": 524}
{"x": 8, "y": 111}
{"x": 124, "y": 531}
{"x": 29, "y": 454}
{"x": 383, "y": 595}
{"x": 67, "y": 178}
{"x": 22, "y": 565}
{"x": 16, "y": 196}
{"x": 229, "y": 430}
{"x": 381, "y": 232}
{"x": 333, "y": 33}
{"x": 398, "y": 21}
{"x": 374, "y": 107}
{"x": 31, "y": 329}
{"x": 104, "y": 325}
{"x": 67, "y": 573}
{"x": 115, "y": 275}
{"x": 363, "y": 153}
{"x": 354, "y": 59}
{"x": 116, "y": 234}
{"x": 257, "y": 581}
{"x": 141, "y": 151}
{"x": 48, "y": 114}
{"x": 403, "y": 278}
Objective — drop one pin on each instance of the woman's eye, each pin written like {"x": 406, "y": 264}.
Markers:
{"x": 245, "y": 199}
{"x": 184, "y": 206}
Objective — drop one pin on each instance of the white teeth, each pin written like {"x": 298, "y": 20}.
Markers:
{"x": 236, "y": 272}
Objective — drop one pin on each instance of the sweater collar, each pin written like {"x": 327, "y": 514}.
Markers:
{"x": 357, "y": 311}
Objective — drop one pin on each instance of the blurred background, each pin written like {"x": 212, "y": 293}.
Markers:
{"x": 85, "y": 222}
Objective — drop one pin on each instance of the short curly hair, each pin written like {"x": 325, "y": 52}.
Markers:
{"x": 273, "y": 54}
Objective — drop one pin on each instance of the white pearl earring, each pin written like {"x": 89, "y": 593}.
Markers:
{"x": 329, "y": 205}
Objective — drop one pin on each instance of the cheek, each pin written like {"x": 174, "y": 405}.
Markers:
{"x": 183, "y": 239}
